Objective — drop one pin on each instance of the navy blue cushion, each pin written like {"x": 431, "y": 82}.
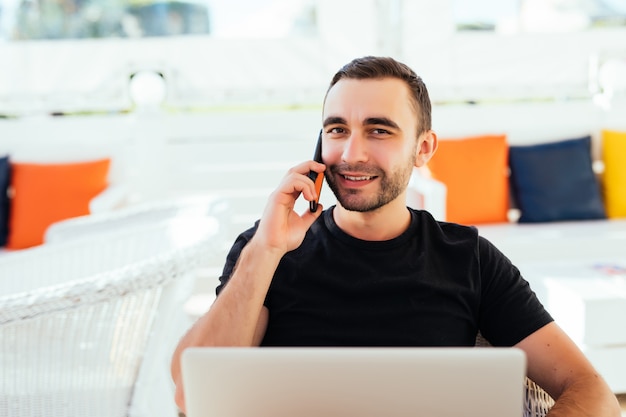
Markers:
{"x": 555, "y": 181}
{"x": 5, "y": 181}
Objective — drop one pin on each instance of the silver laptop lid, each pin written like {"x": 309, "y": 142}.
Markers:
{"x": 363, "y": 382}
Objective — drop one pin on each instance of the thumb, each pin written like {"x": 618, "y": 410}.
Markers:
{"x": 179, "y": 398}
{"x": 309, "y": 216}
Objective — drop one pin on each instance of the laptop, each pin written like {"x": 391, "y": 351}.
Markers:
{"x": 353, "y": 382}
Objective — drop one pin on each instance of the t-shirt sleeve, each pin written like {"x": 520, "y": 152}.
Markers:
{"x": 233, "y": 256}
{"x": 509, "y": 309}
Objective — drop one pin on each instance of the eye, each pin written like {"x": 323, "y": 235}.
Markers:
{"x": 336, "y": 130}
{"x": 380, "y": 132}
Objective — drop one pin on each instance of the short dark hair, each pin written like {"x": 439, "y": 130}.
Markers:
{"x": 371, "y": 67}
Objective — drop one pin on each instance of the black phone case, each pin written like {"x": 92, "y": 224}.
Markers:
{"x": 317, "y": 157}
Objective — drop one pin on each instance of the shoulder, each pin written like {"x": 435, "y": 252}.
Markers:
{"x": 445, "y": 230}
{"x": 454, "y": 236}
{"x": 240, "y": 242}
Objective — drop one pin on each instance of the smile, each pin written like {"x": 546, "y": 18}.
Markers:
{"x": 351, "y": 178}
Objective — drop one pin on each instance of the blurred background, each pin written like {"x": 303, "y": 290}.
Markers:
{"x": 78, "y": 56}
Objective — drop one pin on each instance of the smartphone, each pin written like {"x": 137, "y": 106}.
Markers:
{"x": 318, "y": 179}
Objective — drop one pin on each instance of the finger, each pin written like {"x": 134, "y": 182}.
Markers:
{"x": 312, "y": 189}
{"x": 309, "y": 217}
{"x": 295, "y": 184}
{"x": 317, "y": 167}
{"x": 307, "y": 166}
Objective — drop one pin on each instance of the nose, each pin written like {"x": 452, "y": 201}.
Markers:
{"x": 355, "y": 148}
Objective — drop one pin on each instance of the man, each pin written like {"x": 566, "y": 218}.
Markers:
{"x": 370, "y": 271}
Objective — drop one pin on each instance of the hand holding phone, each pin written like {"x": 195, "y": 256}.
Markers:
{"x": 317, "y": 178}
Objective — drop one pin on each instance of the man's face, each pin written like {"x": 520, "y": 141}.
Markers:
{"x": 369, "y": 142}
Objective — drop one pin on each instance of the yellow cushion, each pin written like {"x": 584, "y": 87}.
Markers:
{"x": 46, "y": 193}
{"x": 614, "y": 155}
{"x": 475, "y": 172}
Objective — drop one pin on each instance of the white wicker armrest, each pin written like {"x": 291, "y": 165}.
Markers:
{"x": 155, "y": 272}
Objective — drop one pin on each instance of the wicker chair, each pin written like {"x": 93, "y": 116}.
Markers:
{"x": 537, "y": 402}
{"x": 78, "y": 318}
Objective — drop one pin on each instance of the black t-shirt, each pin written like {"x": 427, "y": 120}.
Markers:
{"x": 437, "y": 284}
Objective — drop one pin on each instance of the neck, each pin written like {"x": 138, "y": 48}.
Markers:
{"x": 384, "y": 223}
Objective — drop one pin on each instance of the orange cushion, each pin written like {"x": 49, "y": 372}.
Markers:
{"x": 475, "y": 172}
{"x": 46, "y": 193}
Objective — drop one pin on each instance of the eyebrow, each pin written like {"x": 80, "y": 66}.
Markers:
{"x": 383, "y": 121}
{"x": 334, "y": 120}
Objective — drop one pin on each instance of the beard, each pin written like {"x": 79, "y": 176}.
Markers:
{"x": 391, "y": 185}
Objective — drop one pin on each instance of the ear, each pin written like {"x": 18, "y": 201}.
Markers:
{"x": 426, "y": 147}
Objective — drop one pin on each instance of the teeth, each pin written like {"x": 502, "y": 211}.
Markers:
{"x": 357, "y": 178}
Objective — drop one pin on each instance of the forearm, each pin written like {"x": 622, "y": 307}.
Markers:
{"x": 589, "y": 397}
{"x": 561, "y": 368}
{"x": 233, "y": 318}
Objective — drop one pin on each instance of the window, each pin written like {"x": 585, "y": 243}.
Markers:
{"x": 245, "y": 19}
{"x": 484, "y": 14}
{"x": 79, "y": 19}
{"x": 536, "y": 16}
